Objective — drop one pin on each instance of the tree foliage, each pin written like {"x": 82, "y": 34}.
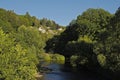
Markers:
{"x": 22, "y": 44}
{"x": 14, "y": 60}
{"x": 94, "y": 37}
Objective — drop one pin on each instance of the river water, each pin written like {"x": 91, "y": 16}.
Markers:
{"x": 59, "y": 72}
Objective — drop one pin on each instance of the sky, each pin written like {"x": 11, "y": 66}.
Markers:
{"x": 61, "y": 11}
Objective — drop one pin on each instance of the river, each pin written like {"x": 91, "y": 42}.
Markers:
{"x": 59, "y": 72}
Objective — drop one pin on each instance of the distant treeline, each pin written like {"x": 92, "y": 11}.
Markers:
{"x": 9, "y": 20}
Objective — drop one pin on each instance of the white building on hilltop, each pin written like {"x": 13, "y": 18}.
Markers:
{"x": 42, "y": 30}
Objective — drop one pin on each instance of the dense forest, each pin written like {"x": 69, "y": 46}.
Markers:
{"x": 22, "y": 42}
{"x": 91, "y": 42}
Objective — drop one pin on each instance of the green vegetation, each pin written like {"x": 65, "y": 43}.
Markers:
{"x": 101, "y": 59}
{"x": 49, "y": 57}
{"x": 15, "y": 61}
{"x": 92, "y": 41}
{"x": 22, "y": 42}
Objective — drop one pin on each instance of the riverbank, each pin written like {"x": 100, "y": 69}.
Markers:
{"x": 39, "y": 76}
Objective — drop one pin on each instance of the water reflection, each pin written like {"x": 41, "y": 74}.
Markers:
{"x": 59, "y": 73}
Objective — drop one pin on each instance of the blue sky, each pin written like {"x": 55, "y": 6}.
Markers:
{"x": 61, "y": 11}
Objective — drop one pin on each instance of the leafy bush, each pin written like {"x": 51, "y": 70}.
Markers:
{"x": 101, "y": 59}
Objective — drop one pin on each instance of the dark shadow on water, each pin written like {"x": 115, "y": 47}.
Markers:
{"x": 60, "y": 72}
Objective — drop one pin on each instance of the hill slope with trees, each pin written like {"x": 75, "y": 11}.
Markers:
{"x": 92, "y": 42}
{"x": 22, "y": 42}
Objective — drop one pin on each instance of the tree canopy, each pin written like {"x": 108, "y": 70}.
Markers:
{"x": 94, "y": 37}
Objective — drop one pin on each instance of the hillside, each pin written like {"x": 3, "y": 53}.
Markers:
{"x": 10, "y": 21}
{"x": 22, "y": 42}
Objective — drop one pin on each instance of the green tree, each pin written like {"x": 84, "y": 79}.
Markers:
{"x": 14, "y": 60}
{"x": 31, "y": 39}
